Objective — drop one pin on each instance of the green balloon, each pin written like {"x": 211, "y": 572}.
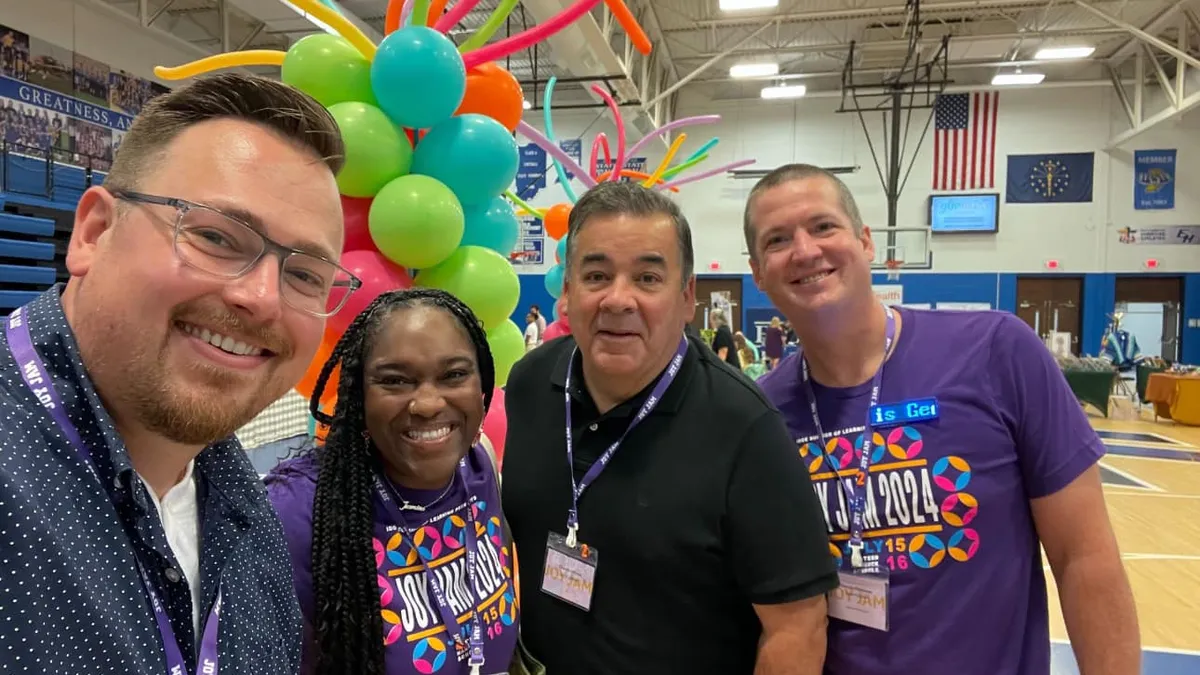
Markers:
{"x": 328, "y": 68}
{"x": 507, "y": 343}
{"x": 416, "y": 221}
{"x": 481, "y": 278}
{"x": 377, "y": 151}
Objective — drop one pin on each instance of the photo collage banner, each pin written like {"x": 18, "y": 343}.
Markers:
{"x": 55, "y": 100}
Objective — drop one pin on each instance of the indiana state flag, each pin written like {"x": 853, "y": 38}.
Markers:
{"x": 1054, "y": 179}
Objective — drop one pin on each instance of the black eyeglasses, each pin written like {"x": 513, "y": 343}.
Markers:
{"x": 224, "y": 246}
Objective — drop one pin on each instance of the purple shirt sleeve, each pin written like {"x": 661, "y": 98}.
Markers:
{"x": 291, "y": 491}
{"x": 1054, "y": 441}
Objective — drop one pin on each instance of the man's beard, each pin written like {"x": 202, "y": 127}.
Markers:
{"x": 139, "y": 387}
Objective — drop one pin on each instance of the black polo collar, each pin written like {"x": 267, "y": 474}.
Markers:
{"x": 670, "y": 402}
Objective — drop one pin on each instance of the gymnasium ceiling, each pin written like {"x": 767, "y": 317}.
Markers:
{"x": 809, "y": 39}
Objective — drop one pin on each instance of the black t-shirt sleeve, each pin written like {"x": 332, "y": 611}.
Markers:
{"x": 723, "y": 338}
{"x": 776, "y": 532}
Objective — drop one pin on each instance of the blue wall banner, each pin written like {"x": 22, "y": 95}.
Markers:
{"x": 70, "y": 106}
{"x": 1050, "y": 179}
{"x": 1153, "y": 179}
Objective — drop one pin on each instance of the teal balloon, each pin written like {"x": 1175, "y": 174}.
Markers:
{"x": 554, "y": 281}
{"x": 492, "y": 225}
{"x": 377, "y": 151}
{"x": 481, "y": 278}
{"x": 328, "y": 68}
{"x": 418, "y": 77}
{"x": 474, "y": 155}
{"x": 416, "y": 221}
{"x": 560, "y": 253}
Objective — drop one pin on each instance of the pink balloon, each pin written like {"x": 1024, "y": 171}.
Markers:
{"x": 495, "y": 425}
{"x": 358, "y": 235}
{"x": 510, "y": 45}
{"x": 557, "y": 329}
{"x": 379, "y": 275}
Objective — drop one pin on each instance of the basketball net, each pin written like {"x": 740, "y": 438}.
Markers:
{"x": 893, "y": 269}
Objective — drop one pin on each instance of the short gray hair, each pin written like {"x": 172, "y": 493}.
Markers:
{"x": 629, "y": 198}
{"x": 788, "y": 173}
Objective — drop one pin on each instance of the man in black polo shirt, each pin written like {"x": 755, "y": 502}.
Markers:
{"x": 696, "y": 543}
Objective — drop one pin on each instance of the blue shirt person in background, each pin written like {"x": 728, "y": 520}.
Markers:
{"x": 200, "y": 278}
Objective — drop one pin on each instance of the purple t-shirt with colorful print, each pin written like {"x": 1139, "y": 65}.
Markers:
{"x": 947, "y": 500}
{"x": 414, "y": 635}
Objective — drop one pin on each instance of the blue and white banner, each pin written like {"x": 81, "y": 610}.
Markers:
{"x": 70, "y": 106}
{"x": 1153, "y": 179}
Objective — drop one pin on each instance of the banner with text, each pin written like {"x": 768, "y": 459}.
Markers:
{"x": 1166, "y": 235}
{"x": 1153, "y": 179}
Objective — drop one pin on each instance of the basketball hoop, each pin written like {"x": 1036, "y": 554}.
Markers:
{"x": 893, "y": 269}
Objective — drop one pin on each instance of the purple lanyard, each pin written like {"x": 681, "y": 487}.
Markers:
{"x": 475, "y": 644}
{"x": 856, "y": 498}
{"x": 33, "y": 371}
{"x": 577, "y": 488}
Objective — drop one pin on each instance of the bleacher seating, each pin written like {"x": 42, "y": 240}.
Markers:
{"x": 38, "y": 196}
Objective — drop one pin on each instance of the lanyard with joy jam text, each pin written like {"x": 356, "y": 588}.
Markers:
{"x": 857, "y": 498}
{"x": 475, "y": 643}
{"x": 37, "y": 378}
{"x": 577, "y": 488}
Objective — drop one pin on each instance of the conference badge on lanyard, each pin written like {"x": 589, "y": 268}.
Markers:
{"x": 862, "y": 596}
{"x": 569, "y": 573}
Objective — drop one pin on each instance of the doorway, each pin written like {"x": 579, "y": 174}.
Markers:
{"x": 728, "y": 293}
{"x": 1052, "y": 304}
{"x": 1151, "y": 308}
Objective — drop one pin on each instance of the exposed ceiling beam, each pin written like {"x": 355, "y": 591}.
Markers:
{"x": 1143, "y": 35}
{"x": 1156, "y": 24}
{"x": 899, "y": 9}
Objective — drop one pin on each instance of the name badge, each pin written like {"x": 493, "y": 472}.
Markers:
{"x": 570, "y": 573}
{"x": 904, "y": 412}
{"x": 861, "y": 599}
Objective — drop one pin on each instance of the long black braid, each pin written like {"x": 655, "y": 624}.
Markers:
{"x": 348, "y": 623}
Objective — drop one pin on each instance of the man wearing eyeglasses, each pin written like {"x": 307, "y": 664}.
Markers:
{"x": 135, "y": 537}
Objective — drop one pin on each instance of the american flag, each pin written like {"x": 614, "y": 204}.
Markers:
{"x": 964, "y": 141}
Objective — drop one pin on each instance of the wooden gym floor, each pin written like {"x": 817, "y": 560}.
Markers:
{"x": 1152, "y": 485}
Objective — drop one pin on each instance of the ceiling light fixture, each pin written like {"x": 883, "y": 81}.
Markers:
{"x": 735, "y": 5}
{"x": 754, "y": 70}
{"x": 1003, "y": 79}
{"x": 784, "y": 91}
{"x": 1059, "y": 53}
{"x": 526, "y": 104}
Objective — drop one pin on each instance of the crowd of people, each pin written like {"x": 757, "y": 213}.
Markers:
{"x": 854, "y": 510}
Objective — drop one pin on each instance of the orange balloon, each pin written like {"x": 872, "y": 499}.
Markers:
{"x": 494, "y": 92}
{"x": 309, "y": 382}
{"x": 556, "y": 221}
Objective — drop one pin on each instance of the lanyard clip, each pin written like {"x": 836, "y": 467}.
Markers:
{"x": 856, "y": 559}
{"x": 572, "y": 539}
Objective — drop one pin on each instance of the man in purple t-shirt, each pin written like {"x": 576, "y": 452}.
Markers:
{"x": 979, "y": 453}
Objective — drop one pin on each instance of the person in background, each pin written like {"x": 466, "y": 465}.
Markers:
{"x": 135, "y": 536}
{"x": 722, "y": 342}
{"x": 976, "y": 456}
{"x": 394, "y": 526}
{"x": 541, "y": 322}
{"x": 773, "y": 342}
{"x": 747, "y": 351}
{"x": 663, "y": 521}
{"x": 532, "y": 333}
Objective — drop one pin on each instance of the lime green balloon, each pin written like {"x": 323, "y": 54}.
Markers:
{"x": 481, "y": 278}
{"x": 328, "y": 68}
{"x": 377, "y": 151}
{"x": 416, "y": 221}
{"x": 507, "y": 343}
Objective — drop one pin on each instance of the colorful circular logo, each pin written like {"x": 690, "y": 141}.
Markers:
{"x": 392, "y": 628}
{"x": 508, "y": 609}
{"x": 429, "y": 655}
{"x": 812, "y": 453}
{"x": 478, "y": 507}
{"x": 399, "y": 553}
{"x": 904, "y": 442}
{"x": 951, "y": 473}
{"x": 926, "y": 550}
{"x": 878, "y": 447}
{"x": 960, "y": 509}
{"x": 453, "y": 530}
{"x": 380, "y": 552}
{"x": 428, "y": 542}
{"x": 385, "y": 590}
{"x": 840, "y": 448}
{"x": 495, "y": 531}
{"x": 963, "y": 544}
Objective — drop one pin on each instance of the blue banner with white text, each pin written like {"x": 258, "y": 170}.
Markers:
{"x": 1153, "y": 179}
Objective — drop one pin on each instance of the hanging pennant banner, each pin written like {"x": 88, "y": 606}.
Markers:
{"x": 1153, "y": 179}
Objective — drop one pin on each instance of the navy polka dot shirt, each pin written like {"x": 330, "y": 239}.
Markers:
{"x": 71, "y": 600}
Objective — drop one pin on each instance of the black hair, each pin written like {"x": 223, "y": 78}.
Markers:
{"x": 349, "y": 628}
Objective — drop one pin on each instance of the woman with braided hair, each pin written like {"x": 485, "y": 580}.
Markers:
{"x": 400, "y": 558}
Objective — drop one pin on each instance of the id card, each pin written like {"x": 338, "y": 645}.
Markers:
{"x": 570, "y": 572}
{"x": 862, "y": 598}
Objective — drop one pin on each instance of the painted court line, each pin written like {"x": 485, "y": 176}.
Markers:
{"x": 1132, "y": 478}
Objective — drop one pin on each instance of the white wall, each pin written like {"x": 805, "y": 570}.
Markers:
{"x": 98, "y": 32}
{"x": 1082, "y": 237}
